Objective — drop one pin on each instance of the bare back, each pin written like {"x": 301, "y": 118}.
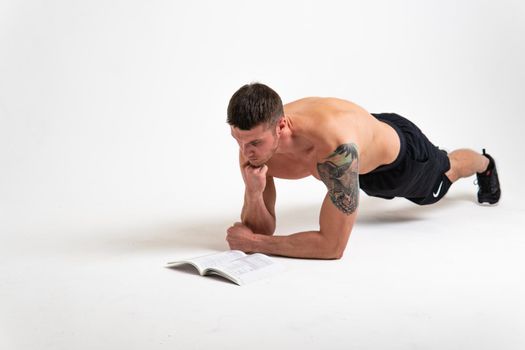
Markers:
{"x": 320, "y": 125}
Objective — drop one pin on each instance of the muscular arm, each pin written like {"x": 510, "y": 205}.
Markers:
{"x": 258, "y": 211}
{"x": 339, "y": 172}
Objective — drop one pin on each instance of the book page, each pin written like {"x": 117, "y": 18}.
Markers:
{"x": 251, "y": 268}
{"x": 210, "y": 260}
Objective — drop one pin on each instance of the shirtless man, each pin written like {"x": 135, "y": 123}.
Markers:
{"x": 345, "y": 147}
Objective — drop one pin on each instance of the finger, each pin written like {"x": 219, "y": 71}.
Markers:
{"x": 255, "y": 171}
{"x": 248, "y": 167}
{"x": 250, "y": 170}
{"x": 256, "y": 168}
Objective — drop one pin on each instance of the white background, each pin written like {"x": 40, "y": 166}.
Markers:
{"x": 115, "y": 158}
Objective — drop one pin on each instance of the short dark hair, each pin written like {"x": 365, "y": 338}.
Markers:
{"x": 254, "y": 104}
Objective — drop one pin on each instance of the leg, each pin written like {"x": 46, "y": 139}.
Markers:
{"x": 465, "y": 163}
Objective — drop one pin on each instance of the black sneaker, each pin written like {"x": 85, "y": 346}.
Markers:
{"x": 488, "y": 182}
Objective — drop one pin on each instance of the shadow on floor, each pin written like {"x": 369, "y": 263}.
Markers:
{"x": 210, "y": 233}
{"x": 377, "y": 211}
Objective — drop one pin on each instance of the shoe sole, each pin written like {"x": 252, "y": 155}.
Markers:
{"x": 487, "y": 204}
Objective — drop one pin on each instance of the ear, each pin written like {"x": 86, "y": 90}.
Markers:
{"x": 281, "y": 124}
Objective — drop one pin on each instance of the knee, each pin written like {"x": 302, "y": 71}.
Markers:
{"x": 453, "y": 173}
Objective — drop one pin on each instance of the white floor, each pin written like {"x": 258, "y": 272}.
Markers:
{"x": 115, "y": 158}
{"x": 448, "y": 276}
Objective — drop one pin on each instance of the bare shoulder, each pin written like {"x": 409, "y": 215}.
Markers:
{"x": 314, "y": 102}
{"x": 329, "y": 122}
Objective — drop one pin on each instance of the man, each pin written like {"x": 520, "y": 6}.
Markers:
{"x": 344, "y": 146}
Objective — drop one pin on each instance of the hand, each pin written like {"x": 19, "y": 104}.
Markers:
{"x": 254, "y": 178}
{"x": 240, "y": 237}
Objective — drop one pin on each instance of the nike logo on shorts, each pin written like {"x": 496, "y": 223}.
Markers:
{"x": 435, "y": 194}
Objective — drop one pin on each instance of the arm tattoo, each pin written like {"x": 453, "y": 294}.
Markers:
{"x": 339, "y": 172}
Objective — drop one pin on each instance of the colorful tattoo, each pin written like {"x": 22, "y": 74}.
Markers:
{"x": 340, "y": 175}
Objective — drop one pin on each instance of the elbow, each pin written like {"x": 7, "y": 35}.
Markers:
{"x": 335, "y": 252}
{"x": 335, "y": 243}
{"x": 267, "y": 230}
{"x": 271, "y": 231}
{"x": 339, "y": 254}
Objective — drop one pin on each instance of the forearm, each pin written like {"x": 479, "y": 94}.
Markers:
{"x": 309, "y": 244}
{"x": 256, "y": 216}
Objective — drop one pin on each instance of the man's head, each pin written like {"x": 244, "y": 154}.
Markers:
{"x": 255, "y": 115}
{"x": 254, "y": 104}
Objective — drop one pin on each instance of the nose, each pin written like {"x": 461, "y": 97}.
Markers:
{"x": 246, "y": 150}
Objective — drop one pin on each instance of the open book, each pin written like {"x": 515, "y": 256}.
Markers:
{"x": 234, "y": 265}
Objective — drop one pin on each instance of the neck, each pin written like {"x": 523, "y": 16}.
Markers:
{"x": 290, "y": 141}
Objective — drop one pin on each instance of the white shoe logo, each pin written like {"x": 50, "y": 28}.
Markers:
{"x": 439, "y": 190}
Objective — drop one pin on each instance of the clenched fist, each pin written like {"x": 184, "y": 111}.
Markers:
{"x": 254, "y": 178}
{"x": 240, "y": 237}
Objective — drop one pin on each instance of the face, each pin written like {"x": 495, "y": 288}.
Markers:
{"x": 258, "y": 144}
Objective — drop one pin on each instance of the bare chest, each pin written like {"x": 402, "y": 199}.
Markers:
{"x": 298, "y": 168}
{"x": 293, "y": 168}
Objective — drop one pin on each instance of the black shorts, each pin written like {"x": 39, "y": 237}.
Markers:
{"x": 418, "y": 173}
